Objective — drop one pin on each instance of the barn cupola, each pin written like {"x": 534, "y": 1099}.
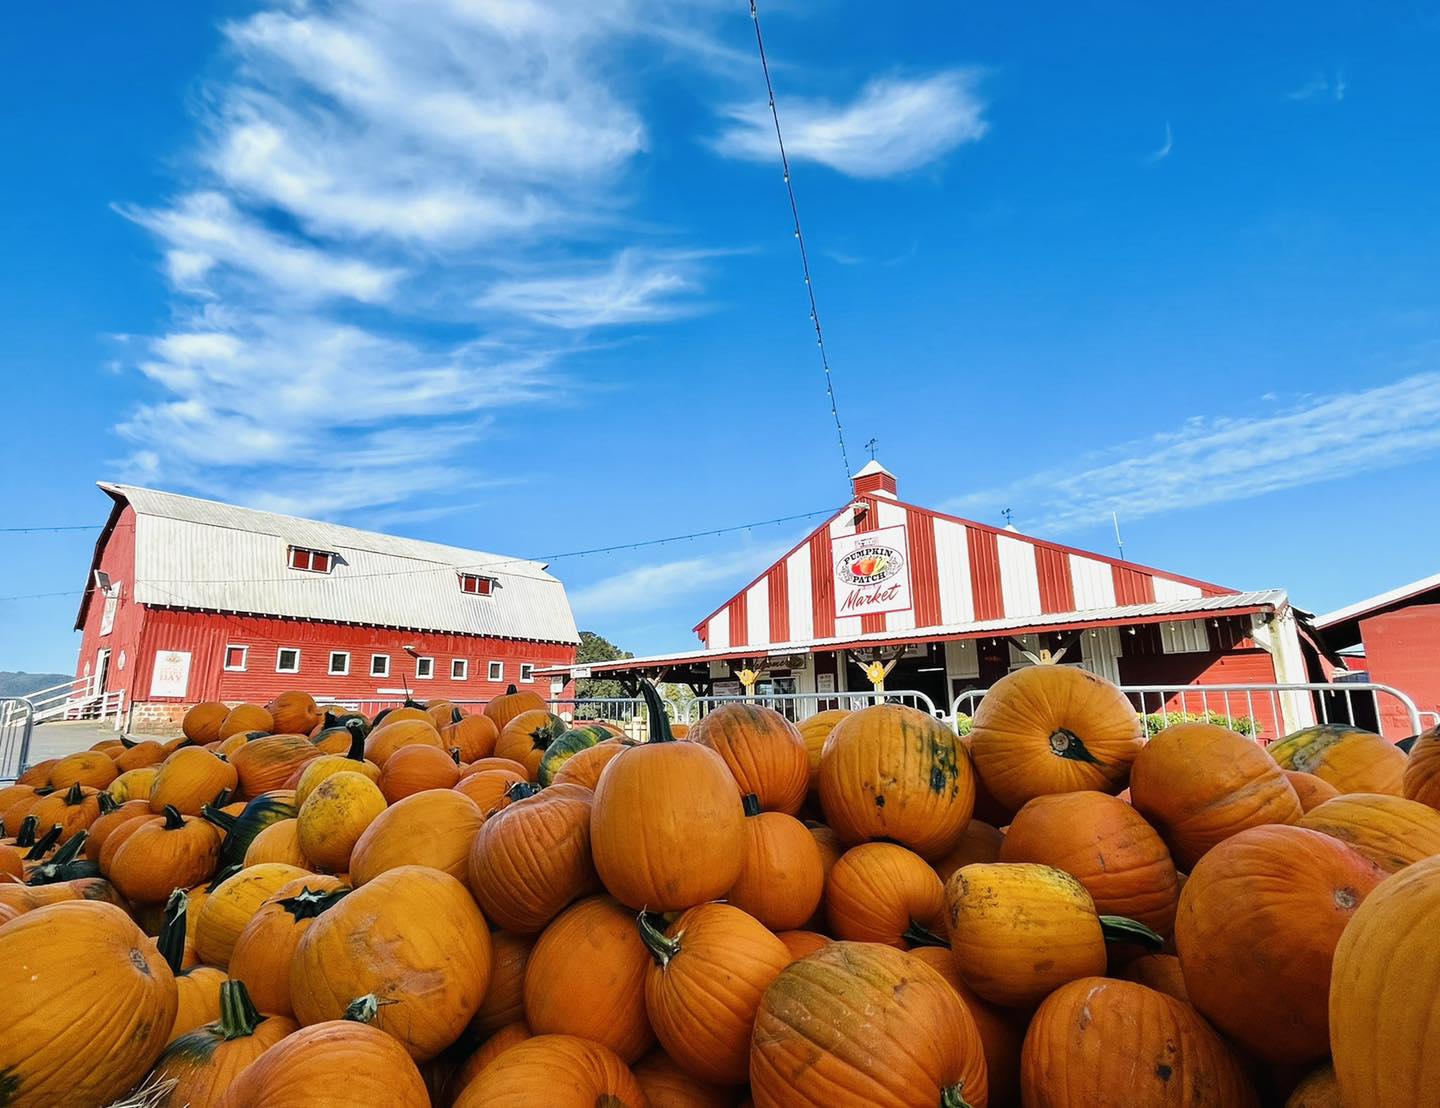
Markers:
{"x": 874, "y": 480}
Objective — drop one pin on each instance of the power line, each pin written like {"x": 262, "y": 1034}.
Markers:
{"x": 32, "y": 530}
{"x": 800, "y": 238}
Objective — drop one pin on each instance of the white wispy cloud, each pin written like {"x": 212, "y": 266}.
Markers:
{"x": 658, "y": 583}
{"x": 1216, "y": 461}
{"x": 894, "y": 125}
{"x": 1165, "y": 149}
{"x": 632, "y": 287}
{"x": 1322, "y": 87}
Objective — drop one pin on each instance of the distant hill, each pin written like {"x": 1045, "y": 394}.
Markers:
{"x": 22, "y": 684}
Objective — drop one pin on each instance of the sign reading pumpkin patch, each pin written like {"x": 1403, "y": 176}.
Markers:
{"x": 872, "y": 572}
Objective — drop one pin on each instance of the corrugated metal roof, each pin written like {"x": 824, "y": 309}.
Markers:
{"x": 1151, "y": 612}
{"x": 1363, "y": 607}
{"x": 193, "y": 553}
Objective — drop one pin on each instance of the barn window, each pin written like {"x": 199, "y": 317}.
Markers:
{"x": 236, "y": 658}
{"x": 312, "y": 561}
{"x": 287, "y": 660}
{"x": 527, "y": 672}
{"x": 379, "y": 665}
{"x": 477, "y": 585}
{"x": 497, "y": 671}
{"x": 459, "y": 669}
{"x": 424, "y": 668}
{"x": 339, "y": 663}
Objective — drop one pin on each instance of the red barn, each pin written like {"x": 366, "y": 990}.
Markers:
{"x": 192, "y": 600}
{"x": 953, "y": 605}
{"x": 1394, "y": 639}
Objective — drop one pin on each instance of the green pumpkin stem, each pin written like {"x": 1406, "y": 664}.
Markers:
{"x": 75, "y": 796}
{"x": 1119, "y": 929}
{"x": 521, "y": 790}
{"x": 108, "y": 803}
{"x": 174, "y": 821}
{"x": 44, "y": 843}
{"x": 918, "y": 935}
{"x": 223, "y": 820}
{"x": 953, "y": 1096}
{"x": 655, "y": 709}
{"x": 661, "y": 947}
{"x": 72, "y": 847}
{"x": 171, "y": 942}
{"x": 356, "y": 753}
{"x": 222, "y": 798}
{"x": 307, "y": 903}
{"x": 25, "y": 837}
{"x": 511, "y": 689}
{"x": 751, "y": 803}
{"x": 365, "y": 1009}
{"x": 455, "y": 754}
{"x": 456, "y": 715}
{"x": 238, "y": 1017}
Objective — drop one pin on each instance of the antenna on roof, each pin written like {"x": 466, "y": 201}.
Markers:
{"x": 1119, "y": 543}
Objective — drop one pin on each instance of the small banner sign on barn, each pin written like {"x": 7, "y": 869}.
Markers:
{"x": 872, "y": 572}
{"x": 171, "y": 676}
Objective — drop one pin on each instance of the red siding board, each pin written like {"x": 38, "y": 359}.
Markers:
{"x": 1242, "y": 667}
{"x": 1400, "y": 650}
{"x": 822, "y": 589}
{"x": 1057, "y": 590}
{"x": 924, "y": 569}
{"x": 739, "y": 621}
{"x": 985, "y": 573}
{"x": 1132, "y": 586}
{"x": 779, "y": 604}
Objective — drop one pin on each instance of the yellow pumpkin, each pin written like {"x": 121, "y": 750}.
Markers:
{"x": 335, "y": 815}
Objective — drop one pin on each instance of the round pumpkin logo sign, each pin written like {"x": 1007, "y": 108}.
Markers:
{"x": 870, "y": 565}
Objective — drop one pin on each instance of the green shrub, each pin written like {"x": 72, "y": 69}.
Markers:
{"x": 1158, "y": 721}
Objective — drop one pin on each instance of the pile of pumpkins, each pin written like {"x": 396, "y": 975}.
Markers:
{"x": 295, "y": 906}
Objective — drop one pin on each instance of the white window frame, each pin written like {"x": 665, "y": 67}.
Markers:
{"x": 424, "y": 676}
{"x": 280, "y": 653}
{"x": 330, "y": 666}
{"x": 244, "y": 658}
{"x": 527, "y": 673}
{"x": 376, "y": 657}
{"x": 496, "y": 671}
{"x": 463, "y": 664}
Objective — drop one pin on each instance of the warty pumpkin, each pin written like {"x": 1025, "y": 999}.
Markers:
{"x": 1053, "y": 729}
{"x": 413, "y": 938}
{"x": 433, "y": 828}
{"x": 386, "y": 738}
{"x": 69, "y": 1037}
{"x": 527, "y": 737}
{"x": 269, "y": 763}
{"x": 1019, "y": 931}
{"x": 89, "y": 767}
{"x": 528, "y": 861}
{"x": 1389, "y": 830}
{"x": 511, "y": 703}
{"x": 263, "y": 951}
{"x": 586, "y": 977}
{"x": 1353, "y": 760}
{"x": 1097, "y": 1042}
{"x": 204, "y": 1063}
{"x": 667, "y": 829}
{"x": 666, "y": 1085}
{"x": 335, "y": 1064}
{"x": 763, "y": 750}
{"x": 708, "y": 971}
{"x": 1421, "y": 781}
{"x": 504, "y": 1002}
{"x": 293, "y": 713}
{"x": 244, "y": 717}
{"x": 865, "y": 1024}
{"x": 334, "y": 816}
{"x": 782, "y": 876}
{"x": 1382, "y": 994}
{"x": 232, "y": 903}
{"x": 166, "y": 852}
{"x": 893, "y": 772}
{"x": 202, "y": 723}
{"x": 1312, "y": 791}
{"x": 883, "y": 893}
{"x": 474, "y": 736}
{"x": 1256, "y": 932}
{"x": 189, "y": 779}
{"x": 1104, "y": 844}
{"x": 1002, "y": 1031}
{"x": 554, "y": 1071}
{"x": 416, "y": 769}
{"x": 980, "y": 843}
{"x": 1198, "y": 784}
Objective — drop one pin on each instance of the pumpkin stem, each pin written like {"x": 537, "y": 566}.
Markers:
{"x": 655, "y": 709}
{"x": 222, "y": 798}
{"x": 365, "y": 1009}
{"x": 1119, "y": 929}
{"x": 661, "y": 947}
{"x": 224, "y": 873}
{"x": 329, "y": 721}
{"x": 128, "y": 743}
{"x": 455, "y": 754}
{"x": 547, "y": 733}
{"x": 356, "y": 753}
{"x": 751, "y": 803}
{"x": 1067, "y": 744}
{"x": 223, "y": 820}
{"x": 521, "y": 790}
{"x": 919, "y": 935}
{"x": 171, "y": 942}
{"x": 308, "y": 903}
{"x": 108, "y": 803}
{"x": 511, "y": 689}
{"x": 44, "y": 843}
{"x": 75, "y": 796}
{"x": 954, "y": 1096}
{"x": 238, "y": 1017}
{"x": 26, "y": 835}
{"x": 456, "y": 715}
{"x": 71, "y": 848}
{"x": 174, "y": 821}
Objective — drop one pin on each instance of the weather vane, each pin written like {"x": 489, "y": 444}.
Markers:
{"x": 1007, "y": 513}
{"x": 870, "y": 446}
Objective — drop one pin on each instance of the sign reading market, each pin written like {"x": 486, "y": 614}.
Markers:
{"x": 872, "y": 572}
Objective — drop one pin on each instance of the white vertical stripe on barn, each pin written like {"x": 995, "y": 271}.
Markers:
{"x": 757, "y": 612}
{"x": 1019, "y": 580}
{"x": 802, "y": 603}
{"x": 1167, "y": 590}
{"x": 719, "y": 630}
{"x": 952, "y": 553}
{"x": 1093, "y": 582}
{"x": 893, "y": 515}
{"x": 845, "y": 626}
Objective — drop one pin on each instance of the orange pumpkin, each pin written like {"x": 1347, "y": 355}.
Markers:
{"x": 1001, "y": 1031}
{"x": 269, "y": 763}
{"x": 709, "y": 970}
{"x": 586, "y": 977}
{"x": 502, "y": 1040}
{"x": 764, "y": 751}
{"x": 265, "y": 947}
{"x": 25, "y": 898}
{"x": 1389, "y": 830}
{"x": 1198, "y": 784}
{"x": 242, "y": 718}
{"x": 433, "y": 828}
{"x": 294, "y": 713}
{"x": 666, "y": 1085}
{"x": 1256, "y": 932}
{"x": 1352, "y": 760}
{"x": 782, "y": 875}
{"x": 1312, "y": 791}
{"x": 189, "y": 779}
{"x": 202, "y": 723}
{"x": 414, "y": 939}
{"x": 134, "y": 784}
{"x": 74, "y": 809}
{"x": 864, "y": 1024}
{"x": 1104, "y": 844}
{"x": 526, "y": 738}
{"x": 473, "y": 736}
{"x": 329, "y": 1065}
{"x": 813, "y": 733}
{"x": 231, "y": 905}
{"x": 980, "y": 843}
{"x": 327, "y": 765}
{"x": 488, "y": 787}
{"x": 277, "y": 842}
{"x": 112, "y": 815}
{"x": 38, "y": 774}
{"x": 892, "y": 772}
{"x": 89, "y": 767}
{"x": 584, "y": 766}
{"x": 803, "y": 943}
{"x": 667, "y": 829}
{"x": 531, "y": 859}
{"x": 1160, "y": 972}
{"x": 1053, "y": 729}
{"x": 389, "y": 737}
{"x": 142, "y": 754}
{"x": 1097, "y": 1042}
{"x": 504, "y": 1002}
{"x": 88, "y": 1004}
{"x": 1382, "y": 994}
{"x": 506, "y": 707}
{"x": 572, "y": 1072}
{"x": 416, "y": 769}
{"x": 1421, "y": 781}
{"x": 883, "y": 893}
{"x": 163, "y": 853}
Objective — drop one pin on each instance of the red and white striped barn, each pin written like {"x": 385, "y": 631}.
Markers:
{"x": 957, "y": 604}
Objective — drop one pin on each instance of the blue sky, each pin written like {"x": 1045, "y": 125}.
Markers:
{"x": 518, "y": 274}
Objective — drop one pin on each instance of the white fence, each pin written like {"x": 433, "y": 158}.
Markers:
{"x": 800, "y": 706}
